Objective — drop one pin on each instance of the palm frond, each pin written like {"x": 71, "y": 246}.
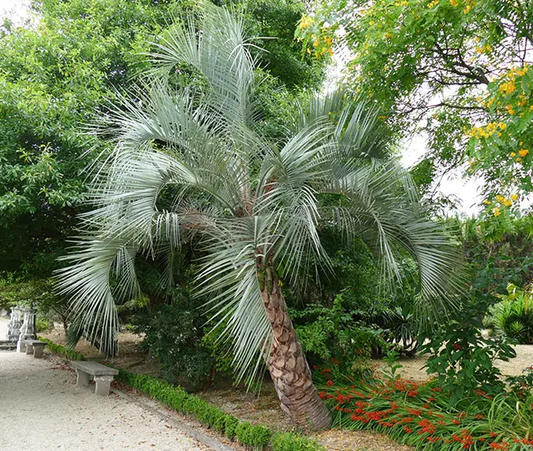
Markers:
{"x": 229, "y": 277}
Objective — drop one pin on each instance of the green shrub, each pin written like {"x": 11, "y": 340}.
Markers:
{"x": 464, "y": 360}
{"x": 61, "y": 350}
{"x": 513, "y": 316}
{"x": 292, "y": 442}
{"x": 254, "y": 436}
{"x": 231, "y": 426}
{"x": 173, "y": 336}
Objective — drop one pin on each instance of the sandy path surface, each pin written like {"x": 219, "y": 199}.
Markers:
{"x": 41, "y": 410}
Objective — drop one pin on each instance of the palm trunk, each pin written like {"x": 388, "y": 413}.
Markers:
{"x": 287, "y": 363}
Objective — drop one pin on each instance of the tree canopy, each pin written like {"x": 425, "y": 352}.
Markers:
{"x": 456, "y": 69}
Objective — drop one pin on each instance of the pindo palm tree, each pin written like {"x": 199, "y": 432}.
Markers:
{"x": 190, "y": 161}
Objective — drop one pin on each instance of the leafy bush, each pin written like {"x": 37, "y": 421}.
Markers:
{"x": 513, "y": 316}
{"x": 173, "y": 336}
{"x": 253, "y": 436}
{"x": 292, "y": 442}
{"x": 464, "y": 360}
{"x": 61, "y": 350}
{"x": 332, "y": 333}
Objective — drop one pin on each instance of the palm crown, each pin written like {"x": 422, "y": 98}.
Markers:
{"x": 190, "y": 162}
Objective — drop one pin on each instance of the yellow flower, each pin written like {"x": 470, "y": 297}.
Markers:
{"x": 519, "y": 160}
{"x": 509, "y": 109}
{"x": 523, "y": 152}
{"x": 487, "y": 202}
{"x": 500, "y": 198}
{"x": 507, "y": 202}
{"x": 514, "y": 197}
{"x": 496, "y": 211}
{"x": 507, "y": 88}
{"x": 305, "y": 22}
{"x": 388, "y": 35}
{"x": 454, "y": 3}
{"x": 513, "y": 154}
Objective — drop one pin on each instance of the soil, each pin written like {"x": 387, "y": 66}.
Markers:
{"x": 263, "y": 407}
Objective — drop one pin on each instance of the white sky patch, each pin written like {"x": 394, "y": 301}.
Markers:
{"x": 18, "y": 11}
{"x": 466, "y": 190}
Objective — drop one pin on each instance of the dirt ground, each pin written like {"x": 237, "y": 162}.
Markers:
{"x": 264, "y": 407}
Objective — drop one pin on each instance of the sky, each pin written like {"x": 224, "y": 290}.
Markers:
{"x": 15, "y": 9}
{"x": 466, "y": 191}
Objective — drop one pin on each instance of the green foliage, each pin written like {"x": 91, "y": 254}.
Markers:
{"x": 256, "y": 437}
{"x": 289, "y": 441}
{"x": 61, "y": 350}
{"x": 332, "y": 333}
{"x": 56, "y": 78}
{"x": 513, "y": 316}
{"x": 274, "y": 23}
{"x": 459, "y": 65}
{"x": 522, "y": 385}
{"x": 173, "y": 336}
{"x": 500, "y": 251}
{"x": 464, "y": 360}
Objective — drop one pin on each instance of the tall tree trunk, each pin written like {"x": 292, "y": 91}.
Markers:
{"x": 287, "y": 363}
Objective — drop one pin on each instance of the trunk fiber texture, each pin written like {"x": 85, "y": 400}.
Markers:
{"x": 288, "y": 366}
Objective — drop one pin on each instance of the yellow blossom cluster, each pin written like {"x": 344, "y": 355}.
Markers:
{"x": 454, "y": 3}
{"x": 469, "y": 4}
{"x": 502, "y": 200}
{"x": 402, "y": 3}
{"x": 484, "y": 49}
{"x": 433, "y": 4}
{"x": 523, "y": 152}
{"x": 306, "y": 22}
{"x": 517, "y": 72}
{"x": 487, "y": 131}
{"x": 508, "y": 87}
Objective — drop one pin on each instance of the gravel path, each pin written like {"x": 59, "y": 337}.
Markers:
{"x": 41, "y": 410}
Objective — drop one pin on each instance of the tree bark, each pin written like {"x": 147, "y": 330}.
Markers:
{"x": 287, "y": 363}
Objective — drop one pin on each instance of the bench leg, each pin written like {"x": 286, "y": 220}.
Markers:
{"x": 21, "y": 347}
{"x": 103, "y": 384}
{"x": 29, "y": 349}
{"x": 38, "y": 351}
{"x": 83, "y": 378}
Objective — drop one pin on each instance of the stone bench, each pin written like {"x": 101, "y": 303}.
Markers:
{"x": 34, "y": 347}
{"x": 103, "y": 376}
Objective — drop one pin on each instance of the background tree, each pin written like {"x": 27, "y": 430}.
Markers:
{"x": 61, "y": 74}
{"x": 189, "y": 161}
{"x": 455, "y": 69}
